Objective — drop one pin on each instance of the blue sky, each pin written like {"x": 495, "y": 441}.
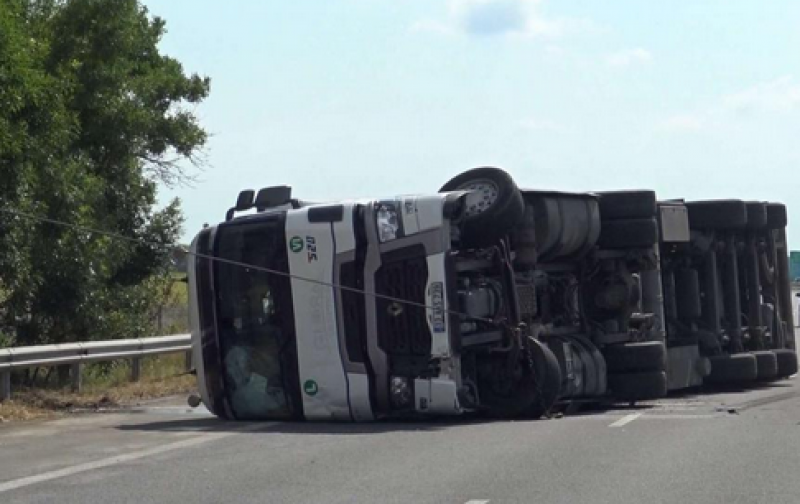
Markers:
{"x": 353, "y": 98}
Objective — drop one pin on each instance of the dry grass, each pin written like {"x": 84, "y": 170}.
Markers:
{"x": 109, "y": 391}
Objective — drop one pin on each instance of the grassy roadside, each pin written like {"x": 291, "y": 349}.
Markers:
{"x": 104, "y": 387}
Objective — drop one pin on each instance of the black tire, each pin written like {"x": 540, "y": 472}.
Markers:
{"x": 787, "y": 362}
{"x": 766, "y": 365}
{"x": 756, "y": 215}
{"x": 627, "y": 205}
{"x": 636, "y": 357}
{"x": 485, "y": 224}
{"x": 733, "y": 369}
{"x": 719, "y": 214}
{"x": 628, "y": 233}
{"x": 638, "y": 386}
{"x": 548, "y": 372}
{"x": 776, "y": 216}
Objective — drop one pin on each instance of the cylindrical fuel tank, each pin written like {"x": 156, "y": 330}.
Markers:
{"x": 565, "y": 225}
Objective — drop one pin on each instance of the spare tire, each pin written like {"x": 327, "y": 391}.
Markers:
{"x": 733, "y": 369}
{"x": 787, "y": 362}
{"x": 638, "y": 386}
{"x": 718, "y": 214}
{"x": 494, "y": 207}
{"x": 627, "y": 205}
{"x": 636, "y": 357}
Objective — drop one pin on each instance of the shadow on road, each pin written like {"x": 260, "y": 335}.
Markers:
{"x": 216, "y": 425}
{"x": 709, "y": 391}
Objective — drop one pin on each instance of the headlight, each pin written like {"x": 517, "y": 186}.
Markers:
{"x": 388, "y": 223}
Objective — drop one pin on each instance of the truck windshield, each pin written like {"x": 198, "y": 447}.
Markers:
{"x": 255, "y": 318}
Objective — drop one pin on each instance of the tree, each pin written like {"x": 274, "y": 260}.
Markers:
{"x": 92, "y": 118}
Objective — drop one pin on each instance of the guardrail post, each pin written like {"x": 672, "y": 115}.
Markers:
{"x": 63, "y": 375}
{"x": 5, "y": 386}
{"x": 136, "y": 369}
{"x": 189, "y": 363}
{"x": 77, "y": 376}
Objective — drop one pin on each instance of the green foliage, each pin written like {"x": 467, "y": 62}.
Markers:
{"x": 92, "y": 118}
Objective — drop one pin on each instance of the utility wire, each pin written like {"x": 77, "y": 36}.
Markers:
{"x": 140, "y": 241}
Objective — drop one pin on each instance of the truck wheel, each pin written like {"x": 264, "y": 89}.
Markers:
{"x": 718, "y": 214}
{"x": 628, "y": 233}
{"x": 627, "y": 205}
{"x": 756, "y": 215}
{"x": 776, "y": 215}
{"x": 494, "y": 206}
{"x": 730, "y": 369}
{"x": 787, "y": 362}
{"x": 766, "y": 364}
{"x": 548, "y": 374}
{"x": 638, "y": 386}
{"x": 636, "y": 357}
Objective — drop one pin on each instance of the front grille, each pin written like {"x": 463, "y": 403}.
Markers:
{"x": 402, "y": 328}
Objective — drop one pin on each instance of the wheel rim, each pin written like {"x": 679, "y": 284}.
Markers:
{"x": 482, "y": 195}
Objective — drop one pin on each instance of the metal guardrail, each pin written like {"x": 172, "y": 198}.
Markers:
{"x": 77, "y": 354}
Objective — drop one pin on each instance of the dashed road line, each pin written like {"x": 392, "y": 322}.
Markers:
{"x": 121, "y": 459}
{"x": 678, "y": 416}
{"x": 625, "y": 420}
{"x": 474, "y": 501}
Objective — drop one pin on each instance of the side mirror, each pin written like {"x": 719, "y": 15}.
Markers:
{"x": 243, "y": 202}
{"x": 272, "y": 197}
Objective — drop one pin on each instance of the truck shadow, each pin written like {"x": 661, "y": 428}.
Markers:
{"x": 709, "y": 391}
{"x": 210, "y": 425}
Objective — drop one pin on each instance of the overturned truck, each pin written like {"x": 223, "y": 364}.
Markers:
{"x": 483, "y": 298}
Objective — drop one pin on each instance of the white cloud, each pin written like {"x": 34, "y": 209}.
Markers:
{"x": 766, "y": 99}
{"x": 779, "y": 95}
{"x": 684, "y": 123}
{"x": 629, "y": 57}
{"x": 518, "y": 18}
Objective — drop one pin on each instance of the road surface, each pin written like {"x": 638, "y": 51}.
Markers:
{"x": 732, "y": 447}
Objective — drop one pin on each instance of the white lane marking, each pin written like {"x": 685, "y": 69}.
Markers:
{"x": 477, "y": 501}
{"x": 626, "y": 420}
{"x": 127, "y": 457}
{"x": 677, "y": 416}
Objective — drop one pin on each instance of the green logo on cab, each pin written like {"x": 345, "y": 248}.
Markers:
{"x": 310, "y": 387}
{"x": 296, "y": 244}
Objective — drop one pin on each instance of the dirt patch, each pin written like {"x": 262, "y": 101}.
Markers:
{"x": 32, "y": 404}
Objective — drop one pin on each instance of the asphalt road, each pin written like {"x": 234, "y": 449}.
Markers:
{"x": 732, "y": 447}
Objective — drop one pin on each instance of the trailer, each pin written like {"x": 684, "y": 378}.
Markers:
{"x": 483, "y": 298}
